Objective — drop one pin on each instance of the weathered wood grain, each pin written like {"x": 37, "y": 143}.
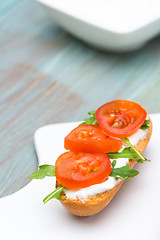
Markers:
{"x": 48, "y": 76}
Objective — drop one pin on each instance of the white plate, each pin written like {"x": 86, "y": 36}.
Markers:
{"x": 108, "y": 24}
{"x": 134, "y": 213}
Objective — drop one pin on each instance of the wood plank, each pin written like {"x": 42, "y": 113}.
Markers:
{"x": 8, "y": 5}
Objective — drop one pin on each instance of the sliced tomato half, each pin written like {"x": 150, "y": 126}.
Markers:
{"x": 120, "y": 118}
{"x": 89, "y": 138}
{"x": 79, "y": 170}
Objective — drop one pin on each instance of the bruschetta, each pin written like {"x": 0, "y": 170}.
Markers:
{"x": 93, "y": 204}
{"x": 102, "y": 152}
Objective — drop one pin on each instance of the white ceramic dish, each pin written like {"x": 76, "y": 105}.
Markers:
{"x": 134, "y": 213}
{"x": 108, "y": 24}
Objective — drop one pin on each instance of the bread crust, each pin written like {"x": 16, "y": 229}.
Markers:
{"x": 96, "y": 203}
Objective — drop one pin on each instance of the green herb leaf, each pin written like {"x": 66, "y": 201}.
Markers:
{"x": 125, "y": 153}
{"x": 54, "y": 194}
{"x": 124, "y": 172}
{"x": 44, "y": 170}
{"x": 114, "y": 163}
{"x": 141, "y": 158}
{"x": 145, "y": 125}
{"x": 90, "y": 120}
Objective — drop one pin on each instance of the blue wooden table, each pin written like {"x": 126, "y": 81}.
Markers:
{"x": 48, "y": 76}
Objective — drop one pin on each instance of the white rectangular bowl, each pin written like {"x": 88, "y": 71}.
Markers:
{"x": 118, "y": 25}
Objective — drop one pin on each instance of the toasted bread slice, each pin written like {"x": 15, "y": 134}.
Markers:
{"x": 96, "y": 203}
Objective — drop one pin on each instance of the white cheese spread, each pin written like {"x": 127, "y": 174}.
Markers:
{"x": 111, "y": 182}
{"x": 140, "y": 134}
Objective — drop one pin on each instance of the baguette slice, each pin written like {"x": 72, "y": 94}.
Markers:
{"x": 96, "y": 203}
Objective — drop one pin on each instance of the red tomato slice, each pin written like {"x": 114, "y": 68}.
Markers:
{"x": 120, "y": 118}
{"x": 89, "y": 138}
{"x": 79, "y": 170}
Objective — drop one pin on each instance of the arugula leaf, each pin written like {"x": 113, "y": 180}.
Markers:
{"x": 90, "y": 120}
{"x": 125, "y": 153}
{"x": 54, "y": 194}
{"x": 145, "y": 125}
{"x": 141, "y": 157}
{"x": 44, "y": 170}
{"x": 114, "y": 163}
{"x": 124, "y": 172}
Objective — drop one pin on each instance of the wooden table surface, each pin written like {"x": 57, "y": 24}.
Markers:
{"x": 48, "y": 76}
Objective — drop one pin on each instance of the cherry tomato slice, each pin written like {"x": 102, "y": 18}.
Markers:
{"x": 120, "y": 118}
{"x": 89, "y": 138}
{"x": 79, "y": 170}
